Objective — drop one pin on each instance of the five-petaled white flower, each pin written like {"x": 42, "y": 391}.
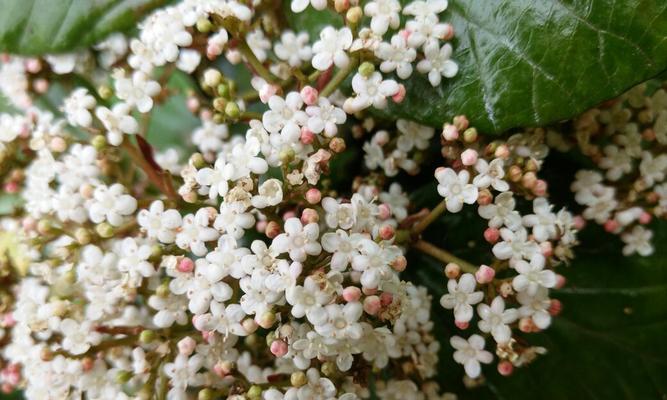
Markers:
{"x": 461, "y": 295}
{"x": 470, "y": 353}
{"x": 455, "y": 188}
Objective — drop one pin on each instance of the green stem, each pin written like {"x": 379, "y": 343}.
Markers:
{"x": 443, "y": 255}
{"x": 428, "y": 220}
{"x": 339, "y": 77}
{"x": 255, "y": 63}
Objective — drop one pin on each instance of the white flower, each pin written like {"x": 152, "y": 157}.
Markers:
{"x": 215, "y": 181}
{"x": 188, "y": 60}
{"x": 137, "y": 91}
{"x": 470, "y": 353}
{"x": 325, "y": 117}
{"x": 195, "y": 232}
{"x": 501, "y": 212}
{"x": 342, "y": 321}
{"x": 77, "y": 107}
{"x": 117, "y": 121}
{"x": 421, "y": 8}
{"x": 536, "y": 307}
{"x": 638, "y": 240}
{"x": 495, "y": 320}
{"x": 384, "y": 14}
{"x": 258, "y": 43}
{"x": 653, "y": 169}
{"x": 159, "y": 223}
{"x": 397, "y": 200}
{"x": 515, "y": 245}
{"x": 233, "y": 219}
{"x": 308, "y": 300}
{"x": 338, "y": 215}
{"x": 396, "y": 56}
{"x": 207, "y": 287}
{"x": 134, "y": 262}
{"x": 331, "y": 48}
{"x": 298, "y": 240}
{"x": 285, "y": 116}
{"x": 184, "y": 372}
{"x": 490, "y": 174}
{"x": 78, "y": 337}
{"x": 370, "y": 91}
{"x": 245, "y": 159}
{"x": 413, "y": 135}
{"x": 616, "y": 161}
{"x": 437, "y": 63}
{"x": 111, "y": 204}
{"x": 270, "y": 193}
{"x": 293, "y": 48}
{"x": 455, "y": 188}
{"x": 543, "y": 221}
{"x": 300, "y": 5}
{"x": 461, "y": 295}
{"x": 532, "y": 275}
{"x": 210, "y": 136}
{"x": 342, "y": 246}
{"x": 170, "y": 309}
{"x": 373, "y": 261}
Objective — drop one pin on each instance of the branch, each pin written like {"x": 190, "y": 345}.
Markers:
{"x": 443, "y": 255}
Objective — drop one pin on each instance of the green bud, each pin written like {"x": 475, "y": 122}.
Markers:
{"x": 204, "y": 25}
{"x": 223, "y": 90}
{"x": 219, "y": 104}
{"x": 329, "y": 369}
{"x": 206, "y": 394}
{"x": 298, "y": 379}
{"x": 82, "y": 236}
{"x": 147, "y": 336}
{"x": 366, "y": 69}
{"x": 123, "y": 377}
{"x": 99, "y": 142}
{"x": 70, "y": 277}
{"x": 251, "y": 340}
{"x": 162, "y": 290}
{"x": 105, "y": 92}
{"x": 156, "y": 252}
{"x": 219, "y": 118}
{"x": 470, "y": 135}
{"x": 104, "y": 229}
{"x": 255, "y": 392}
{"x": 232, "y": 110}
{"x": 198, "y": 160}
{"x": 286, "y": 155}
{"x": 44, "y": 226}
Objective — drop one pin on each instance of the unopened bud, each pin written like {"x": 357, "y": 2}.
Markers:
{"x": 452, "y": 270}
{"x": 366, "y": 69}
{"x": 354, "y": 15}
{"x": 147, "y": 336}
{"x": 105, "y": 230}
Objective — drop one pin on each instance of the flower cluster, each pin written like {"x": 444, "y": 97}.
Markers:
{"x": 232, "y": 266}
{"x": 625, "y": 138}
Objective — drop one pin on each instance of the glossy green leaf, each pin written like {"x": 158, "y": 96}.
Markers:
{"x": 532, "y": 62}
{"x": 56, "y": 26}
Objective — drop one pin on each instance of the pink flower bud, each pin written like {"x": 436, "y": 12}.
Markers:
{"x": 41, "y": 85}
{"x": 387, "y": 232}
{"x": 579, "y": 222}
{"x": 485, "y": 274}
{"x": 462, "y": 325}
{"x": 505, "y": 368}
{"x": 29, "y": 224}
{"x": 186, "y": 265}
{"x": 309, "y": 95}
{"x": 309, "y": 216}
{"x": 266, "y": 92}
{"x": 449, "y": 132}
{"x": 452, "y": 270}
{"x": 502, "y": 152}
{"x": 307, "y": 136}
{"x": 540, "y": 188}
{"x": 213, "y": 50}
{"x": 461, "y": 122}
{"x": 58, "y": 144}
{"x": 313, "y": 196}
{"x": 193, "y": 104}
{"x": 206, "y": 114}
{"x": 386, "y": 298}
{"x": 278, "y": 348}
{"x": 381, "y": 138}
{"x": 546, "y": 249}
{"x": 405, "y": 34}
{"x": 8, "y": 320}
{"x": 560, "y": 281}
{"x": 400, "y": 95}
{"x": 11, "y": 187}
{"x": 272, "y": 229}
{"x": 399, "y": 264}
{"x": 384, "y": 211}
{"x": 485, "y": 197}
{"x": 469, "y": 157}
{"x": 526, "y": 325}
{"x": 289, "y": 214}
{"x": 372, "y": 305}
{"x": 87, "y": 364}
{"x": 207, "y": 335}
{"x": 223, "y": 368}
{"x": 351, "y": 294}
{"x": 611, "y": 225}
{"x": 261, "y": 225}
{"x": 449, "y": 32}
{"x": 33, "y": 65}
{"x": 645, "y": 218}
{"x": 186, "y": 346}
{"x": 491, "y": 235}
{"x": 555, "y": 307}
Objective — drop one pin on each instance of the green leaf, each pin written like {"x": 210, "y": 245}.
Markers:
{"x": 532, "y": 62}
{"x": 48, "y": 26}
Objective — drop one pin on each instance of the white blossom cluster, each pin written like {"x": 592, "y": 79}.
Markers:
{"x": 231, "y": 267}
{"x": 628, "y": 186}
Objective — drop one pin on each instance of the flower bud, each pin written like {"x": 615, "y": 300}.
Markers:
{"x": 186, "y": 346}
{"x": 278, "y": 348}
{"x": 470, "y": 135}
{"x": 485, "y": 197}
{"x": 123, "y": 377}
{"x": 502, "y": 152}
{"x": 351, "y": 294}
{"x": 449, "y": 132}
{"x": 540, "y": 188}
{"x": 309, "y": 95}
{"x": 461, "y": 122}
{"x": 212, "y": 77}
{"x": 645, "y": 218}
{"x": 514, "y": 173}
{"x": 272, "y": 229}
{"x": 232, "y": 110}
{"x": 399, "y": 264}
{"x": 462, "y": 325}
{"x": 204, "y": 25}
{"x": 491, "y": 235}
{"x": 528, "y": 180}
{"x": 469, "y": 157}
{"x": 399, "y": 96}
{"x": 99, "y": 142}
{"x": 485, "y": 274}
{"x": 337, "y": 145}
{"x": 329, "y": 369}
{"x": 366, "y": 69}
{"x": 526, "y": 325}
{"x": 267, "y": 319}
{"x": 386, "y": 299}
{"x": 372, "y": 305}
{"x": 505, "y": 368}
{"x": 298, "y": 379}
{"x": 387, "y": 232}
{"x": 555, "y": 307}
{"x": 341, "y": 5}
{"x": 185, "y": 265}
{"x": 147, "y": 336}
{"x": 506, "y": 289}
{"x": 354, "y": 15}
{"x": 452, "y": 270}
{"x": 105, "y": 230}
